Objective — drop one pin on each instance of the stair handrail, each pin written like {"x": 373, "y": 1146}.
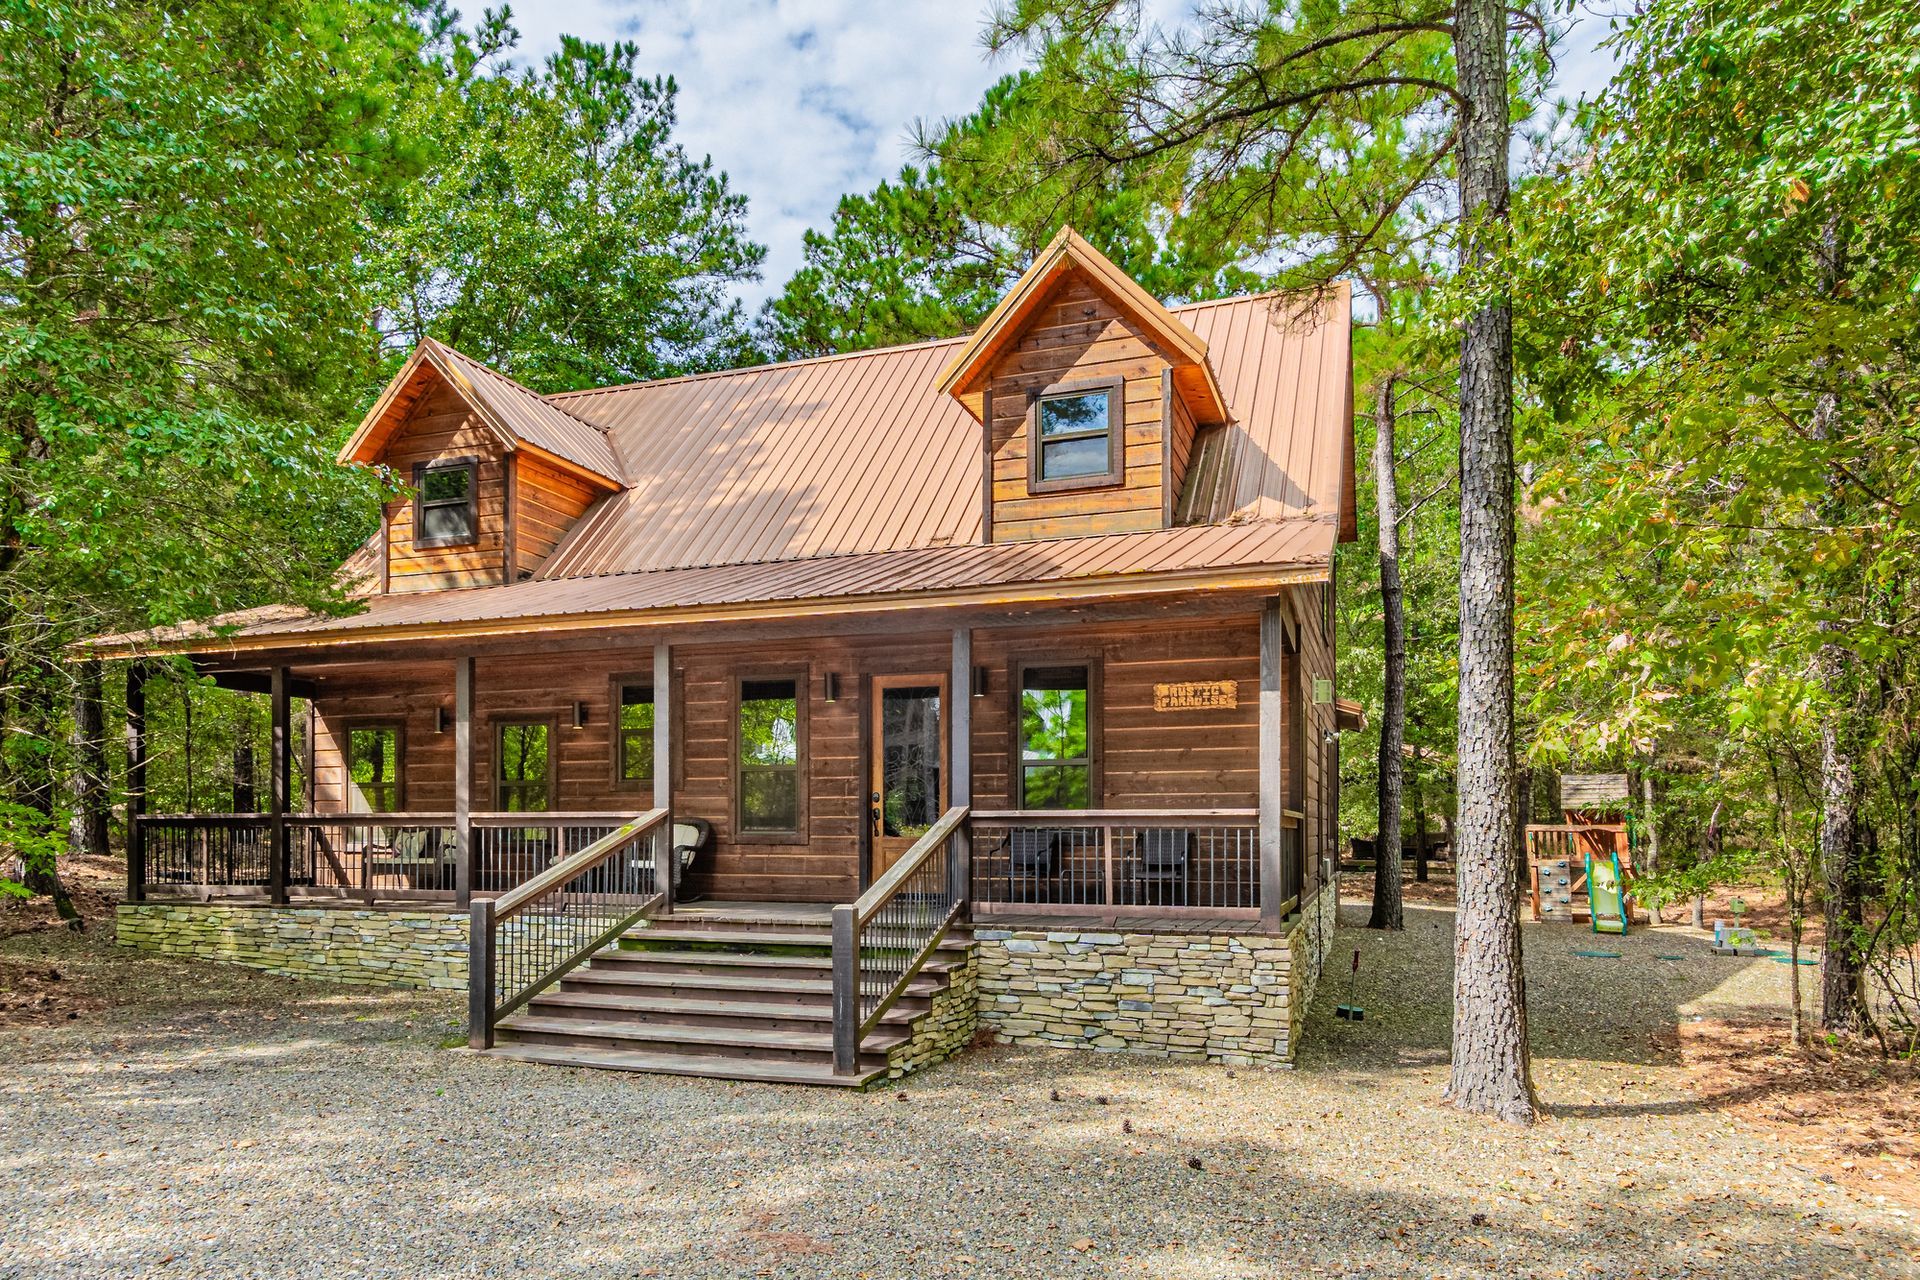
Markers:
{"x": 882, "y": 939}
{"x": 528, "y": 938}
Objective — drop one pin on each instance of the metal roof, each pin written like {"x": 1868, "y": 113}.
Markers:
{"x": 862, "y": 452}
{"x": 1254, "y": 554}
{"x": 515, "y": 415}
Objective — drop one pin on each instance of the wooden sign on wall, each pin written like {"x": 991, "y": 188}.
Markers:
{"x": 1197, "y": 695}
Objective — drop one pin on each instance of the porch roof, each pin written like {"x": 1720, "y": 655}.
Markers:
{"x": 1253, "y": 554}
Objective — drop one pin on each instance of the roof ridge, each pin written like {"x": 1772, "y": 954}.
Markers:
{"x": 1191, "y": 305}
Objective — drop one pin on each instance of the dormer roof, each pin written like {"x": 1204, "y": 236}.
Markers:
{"x": 1067, "y": 252}
{"x": 517, "y": 417}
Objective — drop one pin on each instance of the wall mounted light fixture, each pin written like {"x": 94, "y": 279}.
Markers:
{"x": 979, "y": 682}
{"x": 830, "y": 687}
{"x": 579, "y": 715}
{"x": 440, "y": 719}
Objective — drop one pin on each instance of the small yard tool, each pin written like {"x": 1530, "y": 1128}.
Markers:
{"x": 1350, "y": 1011}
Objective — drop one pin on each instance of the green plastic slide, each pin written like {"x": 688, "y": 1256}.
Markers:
{"x": 1606, "y": 893}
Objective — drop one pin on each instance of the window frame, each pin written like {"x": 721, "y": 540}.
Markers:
{"x": 496, "y": 758}
{"x": 617, "y": 686}
{"x": 1016, "y": 684}
{"x": 420, "y": 504}
{"x": 802, "y": 678}
{"x": 1115, "y": 432}
{"x": 361, "y": 724}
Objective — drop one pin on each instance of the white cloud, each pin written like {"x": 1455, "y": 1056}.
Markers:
{"x": 801, "y": 101}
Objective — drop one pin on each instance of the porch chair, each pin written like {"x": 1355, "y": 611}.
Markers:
{"x": 691, "y": 836}
{"x": 1161, "y": 859}
{"x": 1033, "y": 861}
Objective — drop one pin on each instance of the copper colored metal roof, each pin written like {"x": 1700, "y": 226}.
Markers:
{"x": 534, "y": 420}
{"x": 1247, "y": 555}
{"x": 861, "y": 452}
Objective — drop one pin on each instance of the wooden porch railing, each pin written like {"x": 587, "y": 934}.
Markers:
{"x": 391, "y": 856}
{"x": 525, "y": 940}
{"x": 1109, "y": 863}
{"x": 880, "y": 941}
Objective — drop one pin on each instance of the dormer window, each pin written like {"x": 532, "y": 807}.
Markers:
{"x": 445, "y": 510}
{"x": 1079, "y": 436}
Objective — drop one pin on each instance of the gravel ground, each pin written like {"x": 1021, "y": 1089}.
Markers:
{"x": 215, "y": 1122}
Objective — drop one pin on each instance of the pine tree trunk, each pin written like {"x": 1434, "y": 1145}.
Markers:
{"x": 1842, "y": 967}
{"x": 1651, "y": 862}
{"x": 1491, "y": 1068}
{"x": 1422, "y": 849}
{"x": 87, "y": 780}
{"x": 1387, "y": 911}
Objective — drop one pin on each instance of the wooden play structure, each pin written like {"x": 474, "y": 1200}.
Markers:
{"x": 1558, "y": 854}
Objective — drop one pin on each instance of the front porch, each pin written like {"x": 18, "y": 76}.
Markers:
{"x": 874, "y": 818}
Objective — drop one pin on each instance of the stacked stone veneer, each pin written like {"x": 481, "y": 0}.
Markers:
{"x": 947, "y": 1027}
{"x": 368, "y": 948}
{"x": 1238, "y": 998}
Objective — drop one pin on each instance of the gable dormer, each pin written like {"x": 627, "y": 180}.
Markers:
{"x": 1090, "y": 394}
{"x": 494, "y": 475}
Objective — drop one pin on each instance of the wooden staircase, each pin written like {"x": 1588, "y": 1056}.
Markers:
{"x": 733, "y": 996}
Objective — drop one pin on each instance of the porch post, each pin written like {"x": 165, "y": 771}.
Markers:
{"x": 1272, "y": 739}
{"x": 279, "y": 785}
{"x": 960, "y": 762}
{"x": 465, "y": 855}
{"x": 136, "y": 743}
{"x": 664, "y": 856}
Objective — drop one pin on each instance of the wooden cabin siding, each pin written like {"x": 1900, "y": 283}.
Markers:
{"x": 441, "y": 428}
{"x": 1146, "y": 759}
{"x": 546, "y": 503}
{"x": 1321, "y": 807}
{"x": 1078, "y": 334}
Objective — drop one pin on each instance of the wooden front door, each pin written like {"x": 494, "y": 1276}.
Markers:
{"x": 907, "y": 763}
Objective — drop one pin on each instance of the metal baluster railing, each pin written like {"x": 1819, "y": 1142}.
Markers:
{"x": 880, "y": 942}
{"x": 527, "y": 939}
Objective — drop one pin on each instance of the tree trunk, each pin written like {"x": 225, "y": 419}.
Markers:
{"x": 1843, "y": 1006}
{"x": 1387, "y": 912}
{"x": 1422, "y": 851}
{"x": 87, "y": 779}
{"x": 1491, "y": 1066}
{"x": 1651, "y": 862}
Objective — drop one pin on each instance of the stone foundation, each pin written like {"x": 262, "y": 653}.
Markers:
{"x": 947, "y": 1027}
{"x": 364, "y": 948}
{"x": 1234, "y": 998}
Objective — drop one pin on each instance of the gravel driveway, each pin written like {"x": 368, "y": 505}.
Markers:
{"x": 216, "y": 1122}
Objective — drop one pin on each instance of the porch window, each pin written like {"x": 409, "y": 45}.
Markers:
{"x": 446, "y": 506}
{"x": 522, "y": 768}
{"x": 769, "y": 755}
{"x": 373, "y": 768}
{"x": 634, "y": 736}
{"x": 1056, "y": 754}
{"x": 1076, "y": 436}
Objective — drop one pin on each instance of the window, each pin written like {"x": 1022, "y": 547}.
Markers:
{"x": 769, "y": 755}
{"x": 445, "y": 509}
{"x": 522, "y": 766}
{"x": 1056, "y": 755}
{"x": 1076, "y": 438}
{"x": 633, "y": 736}
{"x": 373, "y": 768}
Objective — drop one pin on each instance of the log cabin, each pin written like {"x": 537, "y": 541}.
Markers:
{"x": 804, "y": 722}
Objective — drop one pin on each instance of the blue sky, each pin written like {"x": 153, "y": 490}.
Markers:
{"x": 803, "y": 100}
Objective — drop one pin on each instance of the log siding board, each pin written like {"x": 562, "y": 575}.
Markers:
{"x": 1077, "y": 339}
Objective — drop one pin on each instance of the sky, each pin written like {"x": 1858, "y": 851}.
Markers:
{"x": 801, "y": 101}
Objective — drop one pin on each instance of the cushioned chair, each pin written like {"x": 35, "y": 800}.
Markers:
{"x": 1033, "y": 855}
{"x": 691, "y": 836}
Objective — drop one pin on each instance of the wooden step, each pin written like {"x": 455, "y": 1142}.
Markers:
{"x": 658, "y": 1010}
{"x": 766, "y": 986}
{"x": 683, "y": 1038}
{"x": 669, "y": 1064}
{"x": 720, "y": 938}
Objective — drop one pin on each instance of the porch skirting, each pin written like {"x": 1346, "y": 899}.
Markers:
{"x": 1234, "y": 998}
{"x": 947, "y": 1027}
{"x": 363, "y": 948}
